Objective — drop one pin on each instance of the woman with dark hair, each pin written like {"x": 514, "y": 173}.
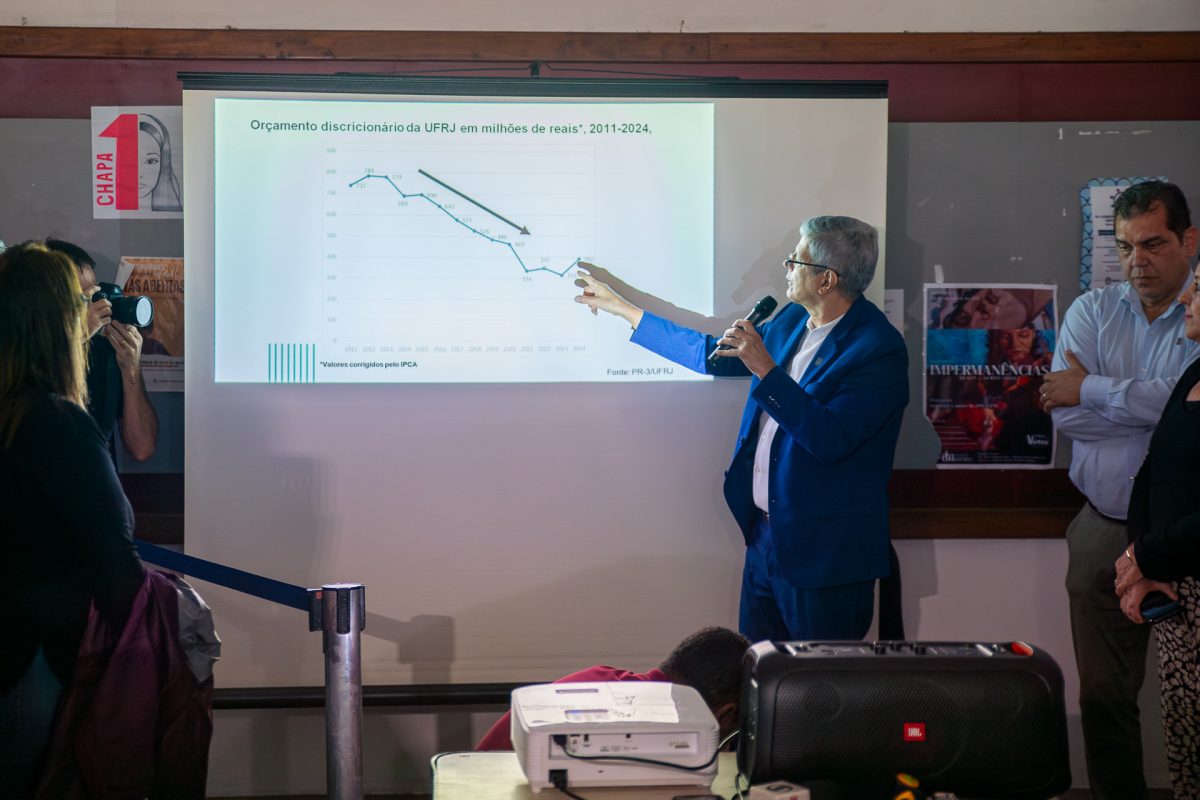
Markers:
{"x": 67, "y": 539}
{"x": 156, "y": 173}
{"x": 1019, "y": 347}
{"x": 1164, "y": 555}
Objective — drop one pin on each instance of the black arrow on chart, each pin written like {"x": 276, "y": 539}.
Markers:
{"x": 524, "y": 231}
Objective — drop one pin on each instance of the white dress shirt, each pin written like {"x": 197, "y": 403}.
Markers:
{"x": 813, "y": 338}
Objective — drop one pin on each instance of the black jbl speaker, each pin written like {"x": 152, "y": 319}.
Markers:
{"x": 980, "y": 720}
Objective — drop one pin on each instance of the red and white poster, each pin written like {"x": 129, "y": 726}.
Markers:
{"x": 137, "y": 162}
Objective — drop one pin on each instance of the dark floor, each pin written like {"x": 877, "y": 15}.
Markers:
{"x": 1074, "y": 794}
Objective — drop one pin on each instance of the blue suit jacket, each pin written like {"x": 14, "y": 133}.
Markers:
{"x": 832, "y": 455}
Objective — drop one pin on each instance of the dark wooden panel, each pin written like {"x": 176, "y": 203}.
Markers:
{"x": 157, "y": 500}
{"x": 161, "y": 529}
{"x": 154, "y": 492}
{"x": 982, "y": 504}
{"x": 865, "y": 48}
{"x": 983, "y": 488}
{"x": 907, "y": 523}
{"x": 981, "y": 523}
{"x": 66, "y": 88}
{"x": 926, "y": 504}
{"x": 159, "y": 43}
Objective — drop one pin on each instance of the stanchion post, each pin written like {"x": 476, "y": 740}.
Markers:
{"x": 338, "y": 610}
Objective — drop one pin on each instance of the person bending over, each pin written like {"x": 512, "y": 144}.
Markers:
{"x": 710, "y": 661}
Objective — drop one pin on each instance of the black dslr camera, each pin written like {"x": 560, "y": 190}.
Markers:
{"x": 137, "y": 310}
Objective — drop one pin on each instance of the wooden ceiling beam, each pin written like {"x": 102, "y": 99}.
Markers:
{"x": 626, "y": 48}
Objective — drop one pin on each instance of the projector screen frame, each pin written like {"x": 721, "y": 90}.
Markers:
{"x": 665, "y": 541}
{"x": 550, "y": 87}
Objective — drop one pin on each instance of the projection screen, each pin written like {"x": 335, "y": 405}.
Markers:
{"x": 389, "y": 383}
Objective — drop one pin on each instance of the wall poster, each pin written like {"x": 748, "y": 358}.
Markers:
{"x": 987, "y": 347}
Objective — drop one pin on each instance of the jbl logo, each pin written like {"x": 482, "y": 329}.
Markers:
{"x": 914, "y": 731}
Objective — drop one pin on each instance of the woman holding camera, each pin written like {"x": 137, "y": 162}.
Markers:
{"x": 66, "y": 542}
{"x": 1164, "y": 555}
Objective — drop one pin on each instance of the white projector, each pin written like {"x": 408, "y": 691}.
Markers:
{"x": 604, "y": 734}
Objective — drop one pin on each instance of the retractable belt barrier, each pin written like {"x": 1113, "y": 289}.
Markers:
{"x": 285, "y": 594}
{"x": 338, "y": 610}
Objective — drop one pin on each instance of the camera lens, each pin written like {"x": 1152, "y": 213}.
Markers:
{"x": 143, "y": 311}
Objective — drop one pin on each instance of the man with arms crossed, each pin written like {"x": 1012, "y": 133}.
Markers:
{"x": 808, "y": 482}
{"x": 1120, "y": 353}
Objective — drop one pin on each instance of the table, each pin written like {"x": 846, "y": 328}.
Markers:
{"x": 498, "y": 776}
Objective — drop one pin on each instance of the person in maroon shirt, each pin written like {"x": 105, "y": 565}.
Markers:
{"x": 710, "y": 661}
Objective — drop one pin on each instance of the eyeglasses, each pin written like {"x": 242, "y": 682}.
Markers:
{"x": 788, "y": 263}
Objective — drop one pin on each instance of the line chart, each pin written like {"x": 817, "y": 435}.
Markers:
{"x": 406, "y": 241}
{"x": 422, "y": 195}
{"x": 458, "y": 254}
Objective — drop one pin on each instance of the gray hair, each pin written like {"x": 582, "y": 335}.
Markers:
{"x": 846, "y": 244}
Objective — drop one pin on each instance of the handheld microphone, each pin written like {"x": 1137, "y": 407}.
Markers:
{"x": 762, "y": 309}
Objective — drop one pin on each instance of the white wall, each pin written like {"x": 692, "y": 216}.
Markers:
{"x": 663, "y": 16}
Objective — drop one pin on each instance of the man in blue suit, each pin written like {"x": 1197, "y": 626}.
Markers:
{"x": 808, "y": 481}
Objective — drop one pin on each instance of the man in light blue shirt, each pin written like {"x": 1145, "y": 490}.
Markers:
{"x": 1120, "y": 352}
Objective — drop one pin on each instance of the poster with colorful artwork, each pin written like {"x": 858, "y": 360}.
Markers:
{"x": 987, "y": 347}
{"x": 160, "y": 279}
{"x": 137, "y": 162}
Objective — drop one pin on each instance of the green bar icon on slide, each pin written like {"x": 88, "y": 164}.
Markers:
{"x": 291, "y": 362}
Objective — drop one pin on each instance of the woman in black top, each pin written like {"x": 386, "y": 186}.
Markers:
{"x": 1164, "y": 555}
{"x": 66, "y": 538}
